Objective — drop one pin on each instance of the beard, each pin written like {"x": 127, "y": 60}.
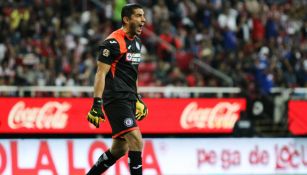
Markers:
{"x": 134, "y": 29}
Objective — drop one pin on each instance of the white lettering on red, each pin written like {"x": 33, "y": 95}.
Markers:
{"x": 51, "y": 115}
{"x": 222, "y": 116}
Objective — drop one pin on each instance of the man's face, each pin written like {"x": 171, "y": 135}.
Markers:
{"x": 136, "y": 22}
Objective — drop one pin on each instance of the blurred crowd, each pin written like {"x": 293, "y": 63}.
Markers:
{"x": 258, "y": 44}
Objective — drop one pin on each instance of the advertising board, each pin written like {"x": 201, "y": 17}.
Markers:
{"x": 166, "y": 116}
{"x": 188, "y": 156}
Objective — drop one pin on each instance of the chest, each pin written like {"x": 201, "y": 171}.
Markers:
{"x": 133, "y": 54}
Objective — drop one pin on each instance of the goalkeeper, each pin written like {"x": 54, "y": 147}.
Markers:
{"x": 115, "y": 88}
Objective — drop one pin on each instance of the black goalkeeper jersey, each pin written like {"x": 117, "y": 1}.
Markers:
{"x": 124, "y": 56}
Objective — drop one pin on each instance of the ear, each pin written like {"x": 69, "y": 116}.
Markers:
{"x": 126, "y": 19}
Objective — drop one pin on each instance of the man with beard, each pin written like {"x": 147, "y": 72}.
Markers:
{"x": 116, "y": 88}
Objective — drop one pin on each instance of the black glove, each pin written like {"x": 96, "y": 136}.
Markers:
{"x": 141, "y": 109}
{"x": 96, "y": 115}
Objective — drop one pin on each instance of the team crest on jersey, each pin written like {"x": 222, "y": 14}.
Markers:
{"x": 105, "y": 52}
{"x": 134, "y": 58}
{"x": 128, "y": 122}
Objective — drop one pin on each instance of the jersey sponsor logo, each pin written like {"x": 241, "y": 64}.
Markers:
{"x": 113, "y": 42}
{"x": 128, "y": 122}
{"x": 135, "y": 58}
{"x": 105, "y": 52}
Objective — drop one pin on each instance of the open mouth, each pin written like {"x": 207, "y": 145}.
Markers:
{"x": 140, "y": 28}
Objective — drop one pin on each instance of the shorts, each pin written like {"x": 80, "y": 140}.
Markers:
{"x": 121, "y": 115}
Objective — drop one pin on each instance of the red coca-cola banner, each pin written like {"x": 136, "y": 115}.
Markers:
{"x": 297, "y": 112}
{"x": 166, "y": 116}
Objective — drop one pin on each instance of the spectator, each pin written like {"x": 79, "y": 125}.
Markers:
{"x": 52, "y": 42}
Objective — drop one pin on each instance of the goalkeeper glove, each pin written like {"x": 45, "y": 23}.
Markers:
{"x": 141, "y": 109}
{"x": 96, "y": 115}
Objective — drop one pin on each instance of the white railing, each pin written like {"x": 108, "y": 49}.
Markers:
{"x": 169, "y": 90}
{"x": 297, "y": 90}
{"x": 166, "y": 90}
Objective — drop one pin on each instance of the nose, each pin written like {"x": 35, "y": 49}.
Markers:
{"x": 143, "y": 19}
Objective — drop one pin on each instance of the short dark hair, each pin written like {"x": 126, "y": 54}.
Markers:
{"x": 127, "y": 10}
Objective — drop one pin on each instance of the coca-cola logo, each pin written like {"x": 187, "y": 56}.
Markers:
{"x": 221, "y": 116}
{"x": 51, "y": 115}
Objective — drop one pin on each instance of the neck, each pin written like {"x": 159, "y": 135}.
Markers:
{"x": 126, "y": 30}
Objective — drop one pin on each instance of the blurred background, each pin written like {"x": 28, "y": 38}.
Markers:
{"x": 225, "y": 82}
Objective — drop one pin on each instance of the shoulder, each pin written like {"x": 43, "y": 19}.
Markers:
{"x": 117, "y": 38}
{"x": 117, "y": 35}
{"x": 110, "y": 43}
{"x": 108, "y": 50}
